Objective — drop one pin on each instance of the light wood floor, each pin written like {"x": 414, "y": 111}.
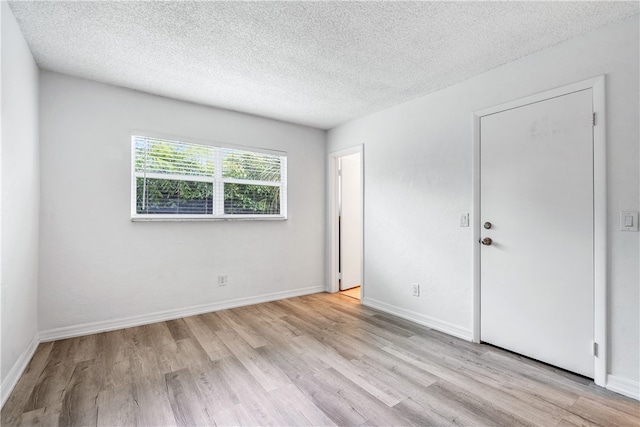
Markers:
{"x": 353, "y": 292}
{"x": 316, "y": 360}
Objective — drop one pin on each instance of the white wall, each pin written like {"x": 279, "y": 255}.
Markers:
{"x": 96, "y": 265}
{"x": 20, "y": 199}
{"x": 418, "y": 159}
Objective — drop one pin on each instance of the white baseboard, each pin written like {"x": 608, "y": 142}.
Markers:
{"x": 421, "y": 319}
{"x": 16, "y": 371}
{"x": 161, "y": 316}
{"x": 624, "y": 386}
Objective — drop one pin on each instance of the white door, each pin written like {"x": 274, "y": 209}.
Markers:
{"x": 350, "y": 222}
{"x": 536, "y": 276}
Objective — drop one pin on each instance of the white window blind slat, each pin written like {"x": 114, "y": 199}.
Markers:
{"x": 171, "y": 157}
{"x": 250, "y": 165}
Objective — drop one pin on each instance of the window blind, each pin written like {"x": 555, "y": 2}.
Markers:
{"x": 174, "y": 179}
{"x": 173, "y": 158}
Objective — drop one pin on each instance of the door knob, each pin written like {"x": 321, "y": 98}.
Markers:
{"x": 486, "y": 241}
{"x": 487, "y": 225}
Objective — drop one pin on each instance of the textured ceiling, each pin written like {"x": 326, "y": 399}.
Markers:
{"x": 313, "y": 63}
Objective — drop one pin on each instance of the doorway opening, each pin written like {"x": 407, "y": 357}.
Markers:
{"x": 352, "y": 293}
{"x": 347, "y": 222}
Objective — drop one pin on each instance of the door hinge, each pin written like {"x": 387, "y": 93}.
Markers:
{"x": 593, "y": 119}
{"x": 595, "y": 349}
{"x": 339, "y": 276}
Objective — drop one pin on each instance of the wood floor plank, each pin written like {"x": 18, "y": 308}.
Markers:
{"x": 331, "y": 401}
{"x": 301, "y": 319}
{"x": 598, "y": 413}
{"x": 250, "y": 394}
{"x": 159, "y": 335}
{"x": 265, "y": 372}
{"x": 52, "y": 382}
{"x": 315, "y": 360}
{"x": 533, "y": 409}
{"x": 402, "y": 416}
{"x": 213, "y": 321}
{"x": 475, "y": 365}
{"x": 152, "y": 402}
{"x": 231, "y": 318}
{"x": 79, "y": 406}
{"x": 441, "y": 340}
{"x": 453, "y": 412}
{"x": 237, "y": 415}
{"x": 292, "y": 363}
{"x": 117, "y": 359}
{"x": 143, "y": 356}
{"x": 17, "y": 402}
{"x": 217, "y": 393}
{"x": 346, "y": 303}
{"x": 482, "y": 410}
{"x": 576, "y": 422}
{"x": 351, "y": 371}
{"x": 364, "y": 403}
{"x": 532, "y": 370}
{"x": 165, "y": 347}
{"x": 403, "y": 378}
{"x": 116, "y": 407}
{"x": 179, "y": 329}
{"x": 88, "y": 347}
{"x": 45, "y": 417}
{"x": 272, "y": 331}
{"x": 268, "y": 311}
{"x": 191, "y": 353}
{"x": 301, "y": 410}
{"x": 416, "y": 415}
{"x": 186, "y": 401}
{"x": 208, "y": 340}
{"x": 310, "y": 330}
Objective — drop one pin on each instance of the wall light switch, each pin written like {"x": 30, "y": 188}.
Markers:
{"x": 628, "y": 221}
{"x": 464, "y": 220}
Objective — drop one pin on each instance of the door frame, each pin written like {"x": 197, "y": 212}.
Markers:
{"x": 334, "y": 212}
{"x": 597, "y": 84}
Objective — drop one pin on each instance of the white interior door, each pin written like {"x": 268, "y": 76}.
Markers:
{"x": 536, "y": 277}
{"x": 350, "y": 222}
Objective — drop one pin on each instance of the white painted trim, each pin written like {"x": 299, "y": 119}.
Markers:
{"x": 161, "y": 316}
{"x": 624, "y": 386}
{"x": 600, "y": 299}
{"x": 12, "y": 378}
{"x": 333, "y": 209}
{"x": 542, "y": 96}
{"x": 205, "y": 217}
{"x": 474, "y": 221}
{"x": 597, "y": 84}
{"x": 421, "y": 319}
{"x": 208, "y": 142}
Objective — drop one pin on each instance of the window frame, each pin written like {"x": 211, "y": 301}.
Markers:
{"x": 217, "y": 180}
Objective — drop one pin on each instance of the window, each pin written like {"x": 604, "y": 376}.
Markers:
{"x": 181, "y": 180}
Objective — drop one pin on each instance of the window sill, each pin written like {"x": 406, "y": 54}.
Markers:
{"x": 177, "y": 218}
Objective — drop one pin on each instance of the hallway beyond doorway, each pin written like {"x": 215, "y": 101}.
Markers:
{"x": 353, "y": 292}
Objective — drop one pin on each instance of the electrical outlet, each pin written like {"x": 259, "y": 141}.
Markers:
{"x": 416, "y": 290}
{"x": 222, "y": 280}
